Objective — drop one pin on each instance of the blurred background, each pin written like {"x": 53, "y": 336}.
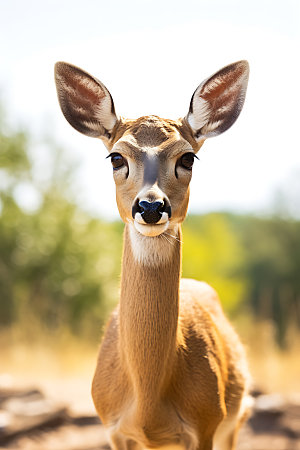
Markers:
{"x": 60, "y": 236}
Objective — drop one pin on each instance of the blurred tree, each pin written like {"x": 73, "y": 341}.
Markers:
{"x": 252, "y": 262}
{"x": 272, "y": 268}
{"x": 58, "y": 266}
{"x": 14, "y": 166}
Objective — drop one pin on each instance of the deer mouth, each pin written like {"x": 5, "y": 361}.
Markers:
{"x": 151, "y": 229}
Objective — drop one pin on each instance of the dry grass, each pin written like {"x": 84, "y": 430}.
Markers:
{"x": 63, "y": 366}
{"x": 273, "y": 369}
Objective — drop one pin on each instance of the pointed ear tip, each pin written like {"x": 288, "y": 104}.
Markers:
{"x": 61, "y": 66}
{"x": 243, "y": 64}
{"x": 58, "y": 67}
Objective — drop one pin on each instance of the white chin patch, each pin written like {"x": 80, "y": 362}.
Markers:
{"x": 151, "y": 230}
{"x": 148, "y": 229}
{"x": 149, "y": 245}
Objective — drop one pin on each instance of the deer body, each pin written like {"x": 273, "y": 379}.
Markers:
{"x": 171, "y": 371}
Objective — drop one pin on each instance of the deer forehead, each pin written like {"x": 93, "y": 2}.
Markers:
{"x": 152, "y": 129}
{"x": 150, "y": 139}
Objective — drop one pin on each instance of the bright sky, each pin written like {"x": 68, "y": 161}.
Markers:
{"x": 151, "y": 55}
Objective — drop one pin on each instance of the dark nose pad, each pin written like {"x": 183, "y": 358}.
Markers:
{"x": 151, "y": 212}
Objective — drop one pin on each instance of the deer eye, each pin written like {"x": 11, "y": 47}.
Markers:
{"x": 187, "y": 160}
{"x": 117, "y": 161}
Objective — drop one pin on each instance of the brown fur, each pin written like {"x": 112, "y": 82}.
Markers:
{"x": 171, "y": 370}
{"x": 165, "y": 363}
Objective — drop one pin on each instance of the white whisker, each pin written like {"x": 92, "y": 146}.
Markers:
{"x": 174, "y": 237}
{"x": 165, "y": 237}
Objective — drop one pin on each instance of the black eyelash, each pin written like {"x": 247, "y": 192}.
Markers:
{"x": 179, "y": 162}
{"x": 122, "y": 160}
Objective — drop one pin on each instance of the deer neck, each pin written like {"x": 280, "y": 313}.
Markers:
{"x": 149, "y": 304}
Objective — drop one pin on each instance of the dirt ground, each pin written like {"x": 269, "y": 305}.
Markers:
{"x": 60, "y": 416}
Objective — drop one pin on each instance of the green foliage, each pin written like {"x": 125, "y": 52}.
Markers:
{"x": 56, "y": 268}
{"x": 13, "y": 155}
{"x": 213, "y": 253}
{"x": 253, "y": 263}
{"x": 272, "y": 268}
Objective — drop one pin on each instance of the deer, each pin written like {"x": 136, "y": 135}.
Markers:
{"x": 171, "y": 372}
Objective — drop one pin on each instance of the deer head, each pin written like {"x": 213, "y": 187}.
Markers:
{"x": 152, "y": 158}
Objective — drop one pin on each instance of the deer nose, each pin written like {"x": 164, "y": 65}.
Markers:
{"x": 151, "y": 212}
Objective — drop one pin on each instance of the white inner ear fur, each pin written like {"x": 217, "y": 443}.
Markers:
{"x": 209, "y": 127}
{"x": 152, "y": 251}
{"x": 201, "y": 112}
{"x": 104, "y": 114}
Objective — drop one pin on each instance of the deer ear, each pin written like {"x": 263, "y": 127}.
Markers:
{"x": 85, "y": 102}
{"x": 218, "y": 101}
